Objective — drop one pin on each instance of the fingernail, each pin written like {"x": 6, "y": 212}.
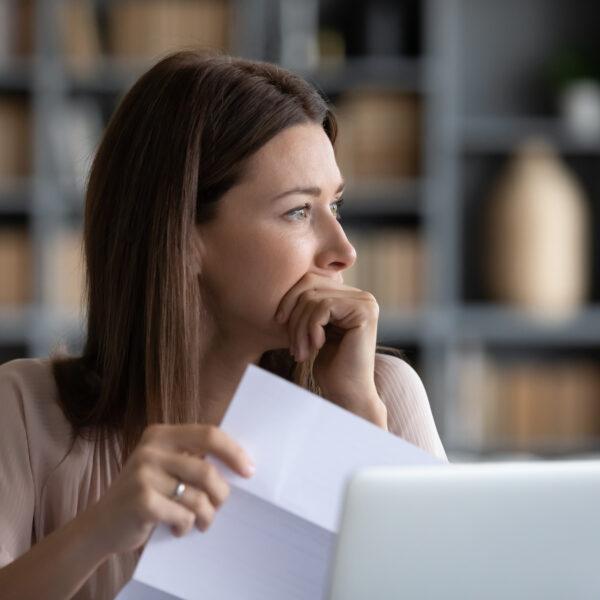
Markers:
{"x": 249, "y": 469}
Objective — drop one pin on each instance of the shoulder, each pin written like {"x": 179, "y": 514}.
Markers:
{"x": 394, "y": 375}
{"x": 30, "y": 382}
{"x": 29, "y": 402}
{"x": 27, "y": 374}
{"x": 405, "y": 397}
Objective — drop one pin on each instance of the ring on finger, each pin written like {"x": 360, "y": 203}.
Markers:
{"x": 179, "y": 490}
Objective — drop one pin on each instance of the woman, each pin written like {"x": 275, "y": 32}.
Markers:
{"x": 212, "y": 241}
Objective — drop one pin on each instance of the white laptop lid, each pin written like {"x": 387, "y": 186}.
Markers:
{"x": 485, "y": 531}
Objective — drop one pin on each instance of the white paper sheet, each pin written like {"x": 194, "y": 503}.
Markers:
{"x": 274, "y": 536}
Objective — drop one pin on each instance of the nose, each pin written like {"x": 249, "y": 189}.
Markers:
{"x": 336, "y": 253}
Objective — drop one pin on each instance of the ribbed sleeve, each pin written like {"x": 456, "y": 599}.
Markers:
{"x": 17, "y": 492}
{"x": 409, "y": 413}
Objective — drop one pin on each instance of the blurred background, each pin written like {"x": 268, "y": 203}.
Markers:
{"x": 470, "y": 139}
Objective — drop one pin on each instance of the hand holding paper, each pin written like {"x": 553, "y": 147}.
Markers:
{"x": 274, "y": 536}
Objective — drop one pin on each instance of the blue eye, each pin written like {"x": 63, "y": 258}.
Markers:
{"x": 300, "y": 213}
{"x": 336, "y": 208}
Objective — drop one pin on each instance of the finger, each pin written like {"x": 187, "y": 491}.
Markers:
{"x": 200, "y": 504}
{"x": 201, "y": 440}
{"x": 195, "y": 472}
{"x": 312, "y": 297}
{"x": 198, "y": 501}
{"x": 319, "y": 319}
{"x": 303, "y": 304}
{"x": 174, "y": 514}
{"x": 308, "y": 282}
{"x": 301, "y": 335}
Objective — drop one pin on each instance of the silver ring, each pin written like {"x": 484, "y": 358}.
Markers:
{"x": 178, "y": 491}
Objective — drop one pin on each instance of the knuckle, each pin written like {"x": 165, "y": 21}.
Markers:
{"x": 211, "y": 435}
{"x": 144, "y": 455}
{"x": 205, "y": 516}
{"x": 151, "y": 432}
{"x": 224, "y": 492}
{"x": 327, "y": 303}
{"x": 308, "y": 295}
{"x": 371, "y": 301}
{"x": 141, "y": 476}
{"x": 202, "y": 504}
{"x": 208, "y": 473}
{"x": 187, "y": 521}
{"x": 368, "y": 297}
{"x": 145, "y": 501}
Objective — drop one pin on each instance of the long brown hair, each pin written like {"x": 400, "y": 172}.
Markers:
{"x": 178, "y": 141}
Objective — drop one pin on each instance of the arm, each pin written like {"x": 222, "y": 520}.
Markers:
{"x": 56, "y": 567}
{"x": 122, "y": 520}
{"x": 408, "y": 410}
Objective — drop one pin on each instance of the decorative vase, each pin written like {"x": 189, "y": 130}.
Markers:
{"x": 538, "y": 238}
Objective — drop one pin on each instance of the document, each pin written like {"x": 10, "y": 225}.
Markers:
{"x": 274, "y": 537}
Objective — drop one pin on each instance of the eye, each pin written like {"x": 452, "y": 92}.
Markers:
{"x": 298, "y": 214}
{"x": 336, "y": 208}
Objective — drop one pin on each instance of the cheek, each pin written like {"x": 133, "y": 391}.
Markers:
{"x": 263, "y": 269}
{"x": 271, "y": 266}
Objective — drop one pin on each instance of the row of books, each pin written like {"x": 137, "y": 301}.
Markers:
{"x": 128, "y": 29}
{"x": 379, "y": 134}
{"x": 378, "y": 140}
{"x": 15, "y": 138}
{"x": 142, "y": 29}
{"x": 528, "y": 405}
{"x": 73, "y": 132}
{"x": 16, "y": 30}
{"x": 63, "y": 279}
{"x": 390, "y": 265}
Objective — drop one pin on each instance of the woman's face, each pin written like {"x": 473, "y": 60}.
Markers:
{"x": 277, "y": 225}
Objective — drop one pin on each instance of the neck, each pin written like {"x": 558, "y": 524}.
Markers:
{"x": 220, "y": 373}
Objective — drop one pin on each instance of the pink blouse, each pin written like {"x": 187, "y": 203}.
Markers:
{"x": 43, "y": 486}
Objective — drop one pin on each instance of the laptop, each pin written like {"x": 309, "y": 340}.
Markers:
{"x": 484, "y": 531}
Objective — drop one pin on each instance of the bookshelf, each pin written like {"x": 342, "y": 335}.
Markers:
{"x": 477, "y": 71}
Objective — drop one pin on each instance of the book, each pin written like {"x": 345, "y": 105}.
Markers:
{"x": 146, "y": 29}
{"x": 15, "y": 267}
{"x": 15, "y": 140}
{"x": 380, "y": 134}
{"x": 390, "y": 265}
{"x": 528, "y": 405}
{"x": 80, "y": 35}
{"x": 66, "y": 274}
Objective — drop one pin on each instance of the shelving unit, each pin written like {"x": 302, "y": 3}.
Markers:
{"x": 477, "y": 67}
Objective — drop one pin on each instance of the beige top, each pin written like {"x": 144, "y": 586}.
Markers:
{"x": 41, "y": 490}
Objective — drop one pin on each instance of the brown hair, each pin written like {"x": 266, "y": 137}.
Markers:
{"x": 177, "y": 142}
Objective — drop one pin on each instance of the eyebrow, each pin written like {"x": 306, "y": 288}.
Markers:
{"x": 309, "y": 191}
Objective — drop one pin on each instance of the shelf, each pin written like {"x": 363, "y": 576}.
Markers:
{"x": 560, "y": 451}
{"x": 16, "y": 76}
{"x": 19, "y": 325}
{"x": 377, "y": 198}
{"x": 509, "y": 326}
{"x": 108, "y": 76}
{"x": 390, "y": 73}
{"x": 13, "y": 325}
{"x": 504, "y": 134}
{"x": 399, "y": 327}
{"x": 15, "y": 197}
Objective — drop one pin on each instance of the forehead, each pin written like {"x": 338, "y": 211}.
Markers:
{"x": 298, "y": 155}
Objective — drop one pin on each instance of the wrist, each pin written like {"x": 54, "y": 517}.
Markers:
{"x": 368, "y": 406}
{"x": 93, "y": 534}
{"x": 377, "y": 413}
